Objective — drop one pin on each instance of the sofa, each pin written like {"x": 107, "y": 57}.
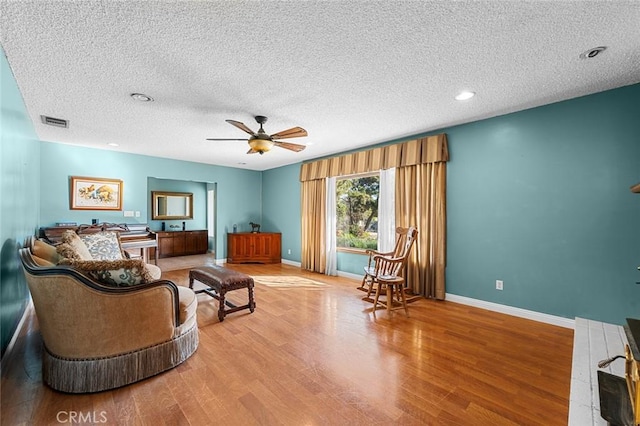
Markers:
{"x": 105, "y": 328}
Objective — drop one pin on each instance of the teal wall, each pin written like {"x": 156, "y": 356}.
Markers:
{"x": 199, "y": 191}
{"x": 238, "y": 191}
{"x": 281, "y": 188}
{"x": 19, "y": 200}
{"x": 351, "y": 262}
{"x": 539, "y": 199}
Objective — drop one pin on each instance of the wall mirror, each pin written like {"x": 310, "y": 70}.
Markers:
{"x": 171, "y": 205}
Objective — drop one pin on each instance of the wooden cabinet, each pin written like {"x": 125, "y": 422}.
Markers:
{"x": 196, "y": 242}
{"x": 256, "y": 247}
{"x": 181, "y": 243}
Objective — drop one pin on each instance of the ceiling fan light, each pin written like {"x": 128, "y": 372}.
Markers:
{"x": 260, "y": 145}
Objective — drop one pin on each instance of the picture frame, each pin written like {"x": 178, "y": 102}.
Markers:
{"x": 89, "y": 193}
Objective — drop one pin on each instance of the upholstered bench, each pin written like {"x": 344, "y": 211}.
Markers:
{"x": 219, "y": 281}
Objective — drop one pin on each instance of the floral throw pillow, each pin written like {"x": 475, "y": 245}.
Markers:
{"x": 103, "y": 245}
{"x": 114, "y": 273}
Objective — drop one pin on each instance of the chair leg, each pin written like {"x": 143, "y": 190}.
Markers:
{"x": 389, "y": 297}
{"x": 371, "y": 284}
{"x": 396, "y": 287}
{"x": 375, "y": 301}
{"x": 366, "y": 285}
{"x": 394, "y": 291}
{"x": 363, "y": 283}
{"x": 402, "y": 296}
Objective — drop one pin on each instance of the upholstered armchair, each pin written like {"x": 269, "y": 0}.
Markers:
{"x": 100, "y": 335}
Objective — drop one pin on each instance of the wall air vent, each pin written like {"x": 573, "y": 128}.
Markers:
{"x": 58, "y": 122}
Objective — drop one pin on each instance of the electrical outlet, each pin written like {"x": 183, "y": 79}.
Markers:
{"x": 289, "y": 251}
{"x": 499, "y": 284}
{"x": 137, "y": 213}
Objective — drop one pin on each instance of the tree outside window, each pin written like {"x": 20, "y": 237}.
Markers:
{"x": 357, "y": 212}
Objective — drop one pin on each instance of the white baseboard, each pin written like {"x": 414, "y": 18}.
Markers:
{"x": 350, "y": 275}
{"x": 221, "y": 261}
{"x": 510, "y": 310}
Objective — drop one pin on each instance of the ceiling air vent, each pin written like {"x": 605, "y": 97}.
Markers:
{"x": 58, "y": 122}
{"x": 592, "y": 53}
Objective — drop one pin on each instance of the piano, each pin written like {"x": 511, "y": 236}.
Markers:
{"x": 135, "y": 238}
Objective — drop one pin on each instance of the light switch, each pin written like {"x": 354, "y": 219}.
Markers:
{"x": 137, "y": 213}
{"x": 128, "y": 213}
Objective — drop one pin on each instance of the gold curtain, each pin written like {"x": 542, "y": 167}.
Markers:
{"x": 421, "y": 202}
{"x": 430, "y": 149}
{"x": 314, "y": 199}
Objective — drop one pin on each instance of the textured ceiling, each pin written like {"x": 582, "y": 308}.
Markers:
{"x": 351, "y": 73}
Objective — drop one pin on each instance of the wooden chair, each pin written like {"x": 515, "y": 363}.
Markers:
{"x": 390, "y": 282}
{"x": 384, "y": 270}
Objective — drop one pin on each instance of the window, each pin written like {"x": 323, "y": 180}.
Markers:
{"x": 357, "y": 211}
{"x": 211, "y": 211}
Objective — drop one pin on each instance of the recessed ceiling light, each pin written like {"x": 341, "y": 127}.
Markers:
{"x": 141, "y": 97}
{"x": 592, "y": 53}
{"x": 464, "y": 95}
{"x": 113, "y": 144}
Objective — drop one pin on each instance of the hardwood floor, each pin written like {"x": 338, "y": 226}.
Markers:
{"x": 320, "y": 356}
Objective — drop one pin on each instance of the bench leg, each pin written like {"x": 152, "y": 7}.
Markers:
{"x": 252, "y": 303}
{"x": 221, "y": 305}
{"x": 219, "y": 294}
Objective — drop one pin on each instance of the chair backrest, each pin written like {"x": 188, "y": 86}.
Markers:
{"x": 404, "y": 242}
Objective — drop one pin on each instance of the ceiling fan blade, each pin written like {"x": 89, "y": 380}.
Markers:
{"x": 290, "y": 146}
{"x": 294, "y": 132}
{"x": 241, "y": 126}
{"x": 252, "y": 151}
{"x": 227, "y": 140}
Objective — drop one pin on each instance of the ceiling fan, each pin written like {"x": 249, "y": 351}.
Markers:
{"x": 261, "y": 142}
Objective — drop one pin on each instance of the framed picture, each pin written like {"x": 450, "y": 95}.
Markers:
{"x": 89, "y": 193}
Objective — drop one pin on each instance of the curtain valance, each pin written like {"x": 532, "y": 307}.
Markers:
{"x": 431, "y": 149}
